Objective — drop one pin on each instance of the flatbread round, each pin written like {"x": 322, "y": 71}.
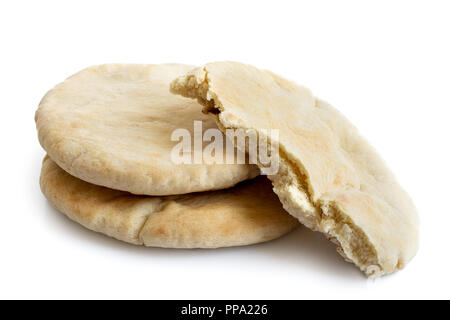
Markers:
{"x": 245, "y": 214}
{"x": 111, "y": 125}
{"x": 329, "y": 178}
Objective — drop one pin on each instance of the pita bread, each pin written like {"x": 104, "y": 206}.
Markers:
{"x": 246, "y": 214}
{"x": 111, "y": 125}
{"x": 330, "y": 178}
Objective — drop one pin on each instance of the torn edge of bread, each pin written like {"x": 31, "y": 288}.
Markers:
{"x": 291, "y": 186}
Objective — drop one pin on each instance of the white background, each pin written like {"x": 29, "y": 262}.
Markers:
{"x": 384, "y": 64}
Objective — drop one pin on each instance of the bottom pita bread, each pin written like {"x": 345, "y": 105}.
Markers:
{"x": 246, "y": 214}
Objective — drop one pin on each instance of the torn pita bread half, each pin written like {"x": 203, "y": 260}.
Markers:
{"x": 329, "y": 177}
{"x": 246, "y": 214}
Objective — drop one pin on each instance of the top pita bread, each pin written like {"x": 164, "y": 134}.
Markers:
{"x": 111, "y": 125}
{"x": 330, "y": 178}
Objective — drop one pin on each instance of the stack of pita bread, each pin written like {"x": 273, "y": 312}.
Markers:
{"x": 107, "y": 133}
